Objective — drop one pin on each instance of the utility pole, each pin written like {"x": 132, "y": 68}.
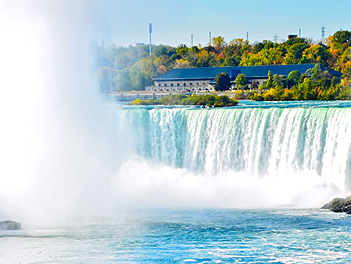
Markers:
{"x": 275, "y": 37}
{"x": 150, "y": 31}
{"x": 209, "y": 38}
{"x": 247, "y": 36}
{"x": 300, "y": 33}
{"x": 192, "y": 40}
{"x": 323, "y": 34}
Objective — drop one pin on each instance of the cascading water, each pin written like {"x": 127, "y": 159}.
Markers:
{"x": 263, "y": 143}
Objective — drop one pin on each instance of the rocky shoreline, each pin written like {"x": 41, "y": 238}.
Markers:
{"x": 339, "y": 205}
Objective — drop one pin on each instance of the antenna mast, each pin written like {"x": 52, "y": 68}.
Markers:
{"x": 150, "y": 31}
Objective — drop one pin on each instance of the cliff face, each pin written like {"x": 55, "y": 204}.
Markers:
{"x": 339, "y": 205}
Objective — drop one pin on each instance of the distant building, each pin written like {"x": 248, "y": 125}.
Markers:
{"x": 292, "y": 36}
{"x": 202, "y": 79}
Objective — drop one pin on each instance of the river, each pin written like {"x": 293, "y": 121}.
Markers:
{"x": 241, "y": 184}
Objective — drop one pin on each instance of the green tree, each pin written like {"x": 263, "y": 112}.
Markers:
{"x": 141, "y": 73}
{"x": 122, "y": 80}
{"x": 269, "y": 83}
{"x": 294, "y": 53}
{"x": 222, "y": 82}
{"x": 278, "y": 80}
{"x": 341, "y": 37}
{"x": 293, "y": 78}
{"x": 240, "y": 80}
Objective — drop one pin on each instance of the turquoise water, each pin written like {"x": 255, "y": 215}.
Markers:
{"x": 231, "y": 185}
{"x": 256, "y": 138}
{"x": 188, "y": 236}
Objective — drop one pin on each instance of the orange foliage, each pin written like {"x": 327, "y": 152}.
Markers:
{"x": 221, "y": 56}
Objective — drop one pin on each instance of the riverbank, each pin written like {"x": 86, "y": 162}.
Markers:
{"x": 209, "y": 100}
{"x": 133, "y": 95}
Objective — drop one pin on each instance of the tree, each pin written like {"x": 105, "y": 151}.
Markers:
{"x": 219, "y": 43}
{"x": 269, "y": 83}
{"x": 240, "y": 80}
{"x": 278, "y": 80}
{"x": 141, "y": 73}
{"x": 222, "y": 82}
{"x": 122, "y": 81}
{"x": 257, "y": 47}
{"x": 207, "y": 59}
{"x": 182, "y": 50}
{"x": 293, "y": 78}
{"x": 295, "y": 51}
{"x": 315, "y": 54}
{"x": 181, "y": 64}
{"x": 341, "y": 37}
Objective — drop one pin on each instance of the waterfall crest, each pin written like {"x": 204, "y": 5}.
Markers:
{"x": 256, "y": 141}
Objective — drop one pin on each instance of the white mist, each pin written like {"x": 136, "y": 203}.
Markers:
{"x": 58, "y": 149}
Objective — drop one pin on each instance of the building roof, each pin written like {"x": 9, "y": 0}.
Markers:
{"x": 251, "y": 72}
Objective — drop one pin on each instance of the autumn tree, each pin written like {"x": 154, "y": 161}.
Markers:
{"x": 219, "y": 43}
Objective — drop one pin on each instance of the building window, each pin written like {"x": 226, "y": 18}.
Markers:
{"x": 172, "y": 84}
{"x": 178, "y": 84}
{"x": 184, "y": 84}
{"x": 165, "y": 84}
{"x": 159, "y": 85}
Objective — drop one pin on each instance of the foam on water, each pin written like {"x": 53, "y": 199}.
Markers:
{"x": 274, "y": 156}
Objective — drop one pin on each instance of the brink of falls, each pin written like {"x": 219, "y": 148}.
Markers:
{"x": 263, "y": 142}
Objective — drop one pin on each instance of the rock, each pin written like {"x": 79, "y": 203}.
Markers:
{"x": 10, "y": 225}
{"x": 339, "y": 205}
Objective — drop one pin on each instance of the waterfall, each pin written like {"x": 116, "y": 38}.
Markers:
{"x": 256, "y": 141}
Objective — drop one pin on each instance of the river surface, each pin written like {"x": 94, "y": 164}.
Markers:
{"x": 232, "y": 185}
{"x": 188, "y": 236}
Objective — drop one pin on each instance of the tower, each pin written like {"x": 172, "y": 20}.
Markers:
{"x": 150, "y": 31}
{"x": 275, "y": 37}
{"x": 323, "y": 34}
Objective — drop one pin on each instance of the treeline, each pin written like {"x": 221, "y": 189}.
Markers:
{"x": 132, "y": 68}
{"x": 315, "y": 84}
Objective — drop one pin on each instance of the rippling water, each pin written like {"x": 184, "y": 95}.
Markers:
{"x": 188, "y": 236}
{"x": 286, "y": 152}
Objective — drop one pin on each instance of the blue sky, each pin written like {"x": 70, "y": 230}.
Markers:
{"x": 175, "y": 20}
